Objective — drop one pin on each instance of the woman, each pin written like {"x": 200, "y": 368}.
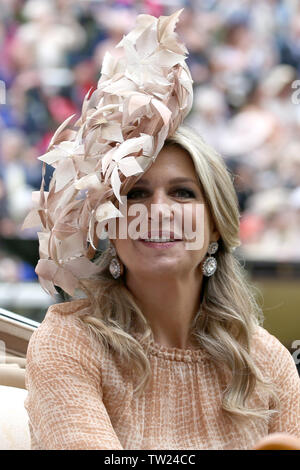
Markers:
{"x": 210, "y": 377}
{"x": 165, "y": 351}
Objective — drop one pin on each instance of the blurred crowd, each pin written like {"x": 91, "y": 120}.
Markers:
{"x": 244, "y": 56}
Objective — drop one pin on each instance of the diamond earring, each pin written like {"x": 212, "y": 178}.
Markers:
{"x": 116, "y": 268}
{"x": 210, "y": 264}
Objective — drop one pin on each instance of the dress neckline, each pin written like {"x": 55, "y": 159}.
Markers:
{"x": 173, "y": 353}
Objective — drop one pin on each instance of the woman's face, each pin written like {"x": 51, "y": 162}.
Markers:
{"x": 175, "y": 210}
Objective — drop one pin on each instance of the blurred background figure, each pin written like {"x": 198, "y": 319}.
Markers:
{"x": 244, "y": 58}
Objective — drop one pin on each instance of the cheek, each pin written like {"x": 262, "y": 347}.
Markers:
{"x": 134, "y": 222}
{"x": 123, "y": 250}
{"x": 195, "y": 218}
{"x": 122, "y": 241}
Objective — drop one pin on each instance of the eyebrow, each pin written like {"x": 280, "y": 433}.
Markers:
{"x": 179, "y": 179}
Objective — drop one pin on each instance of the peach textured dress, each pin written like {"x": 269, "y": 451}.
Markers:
{"x": 80, "y": 396}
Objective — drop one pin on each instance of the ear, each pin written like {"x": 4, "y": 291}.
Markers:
{"x": 111, "y": 242}
{"x": 214, "y": 234}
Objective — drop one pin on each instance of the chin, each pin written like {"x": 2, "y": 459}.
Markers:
{"x": 159, "y": 269}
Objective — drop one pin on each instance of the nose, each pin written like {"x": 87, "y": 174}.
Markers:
{"x": 160, "y": 206}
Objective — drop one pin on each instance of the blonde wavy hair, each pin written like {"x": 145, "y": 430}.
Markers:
{"x": 228, "y": 314}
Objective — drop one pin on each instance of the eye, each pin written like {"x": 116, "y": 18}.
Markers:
{"x": 184, "y": 193}
{"x": 136, "y": 193}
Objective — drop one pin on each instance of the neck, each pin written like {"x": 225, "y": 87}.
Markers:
{"x": 169, "y": 305}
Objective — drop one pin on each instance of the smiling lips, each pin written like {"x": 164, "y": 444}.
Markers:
{"x": 160, "y": 240}
{"x": 160, "y": 237}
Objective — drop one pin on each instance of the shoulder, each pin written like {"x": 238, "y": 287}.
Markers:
{"x": 264, "y": 342}
{"x": 66, "y": 314}
{"x": 65, "y": 311}
{"x": 271, "y": 355}
{"x": 62, "y": 333}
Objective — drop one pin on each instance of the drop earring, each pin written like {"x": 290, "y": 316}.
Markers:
{"x": 210, "y": 264}
{"x": 116, "y": 267}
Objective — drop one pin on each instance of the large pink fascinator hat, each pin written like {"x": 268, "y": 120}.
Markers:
{"x": 140, "y": 100}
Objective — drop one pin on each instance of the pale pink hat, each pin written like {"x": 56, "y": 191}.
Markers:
{"x": 140, "y": 100}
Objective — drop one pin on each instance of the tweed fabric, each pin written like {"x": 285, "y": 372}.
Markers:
{"x": 81, "y": 397}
